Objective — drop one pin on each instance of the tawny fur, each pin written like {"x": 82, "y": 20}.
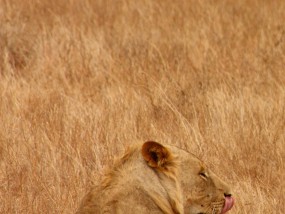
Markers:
{"x": 156, "y": 180}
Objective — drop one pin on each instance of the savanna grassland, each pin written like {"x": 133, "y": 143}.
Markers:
{"x": 81, "y": 80}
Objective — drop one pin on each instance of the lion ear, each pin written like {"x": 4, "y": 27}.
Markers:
{"x": 155, "y": 154}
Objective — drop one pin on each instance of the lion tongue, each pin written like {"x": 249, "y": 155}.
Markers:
{"x": 229, "y": 203}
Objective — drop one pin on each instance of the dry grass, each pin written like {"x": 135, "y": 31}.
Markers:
{"x": 80, "y": 80}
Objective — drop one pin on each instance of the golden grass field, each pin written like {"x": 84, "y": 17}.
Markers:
{"x": 81, "y": 80}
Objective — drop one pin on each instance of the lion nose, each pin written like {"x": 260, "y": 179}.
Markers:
{"x": 227, "y": 194}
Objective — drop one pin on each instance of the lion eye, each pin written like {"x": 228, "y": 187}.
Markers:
{"x": 203, "y": 174}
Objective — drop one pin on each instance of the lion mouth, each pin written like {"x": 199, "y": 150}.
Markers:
{"x": 229, "y": 203}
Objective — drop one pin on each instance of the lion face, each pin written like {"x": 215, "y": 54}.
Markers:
{"x": 203, "y": 191}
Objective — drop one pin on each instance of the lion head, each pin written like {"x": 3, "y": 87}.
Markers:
{"x": 153, "y": 178}
{"x": 203, "y": 191}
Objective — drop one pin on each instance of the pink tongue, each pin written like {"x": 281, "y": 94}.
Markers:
{"x": 229, "y": 203}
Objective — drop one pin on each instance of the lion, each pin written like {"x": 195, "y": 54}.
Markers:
{"x": 156, "y": 178}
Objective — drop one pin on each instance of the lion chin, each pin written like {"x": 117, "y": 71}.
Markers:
{"x": 155, "y": 178}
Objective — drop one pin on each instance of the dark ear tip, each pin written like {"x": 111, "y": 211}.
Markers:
{"x": 149, "y": 142}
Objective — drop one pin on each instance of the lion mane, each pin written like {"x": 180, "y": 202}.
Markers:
{"x": 155, "y": 178}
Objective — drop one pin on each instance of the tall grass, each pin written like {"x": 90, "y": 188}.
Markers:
{"x": 81, "y": 80}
